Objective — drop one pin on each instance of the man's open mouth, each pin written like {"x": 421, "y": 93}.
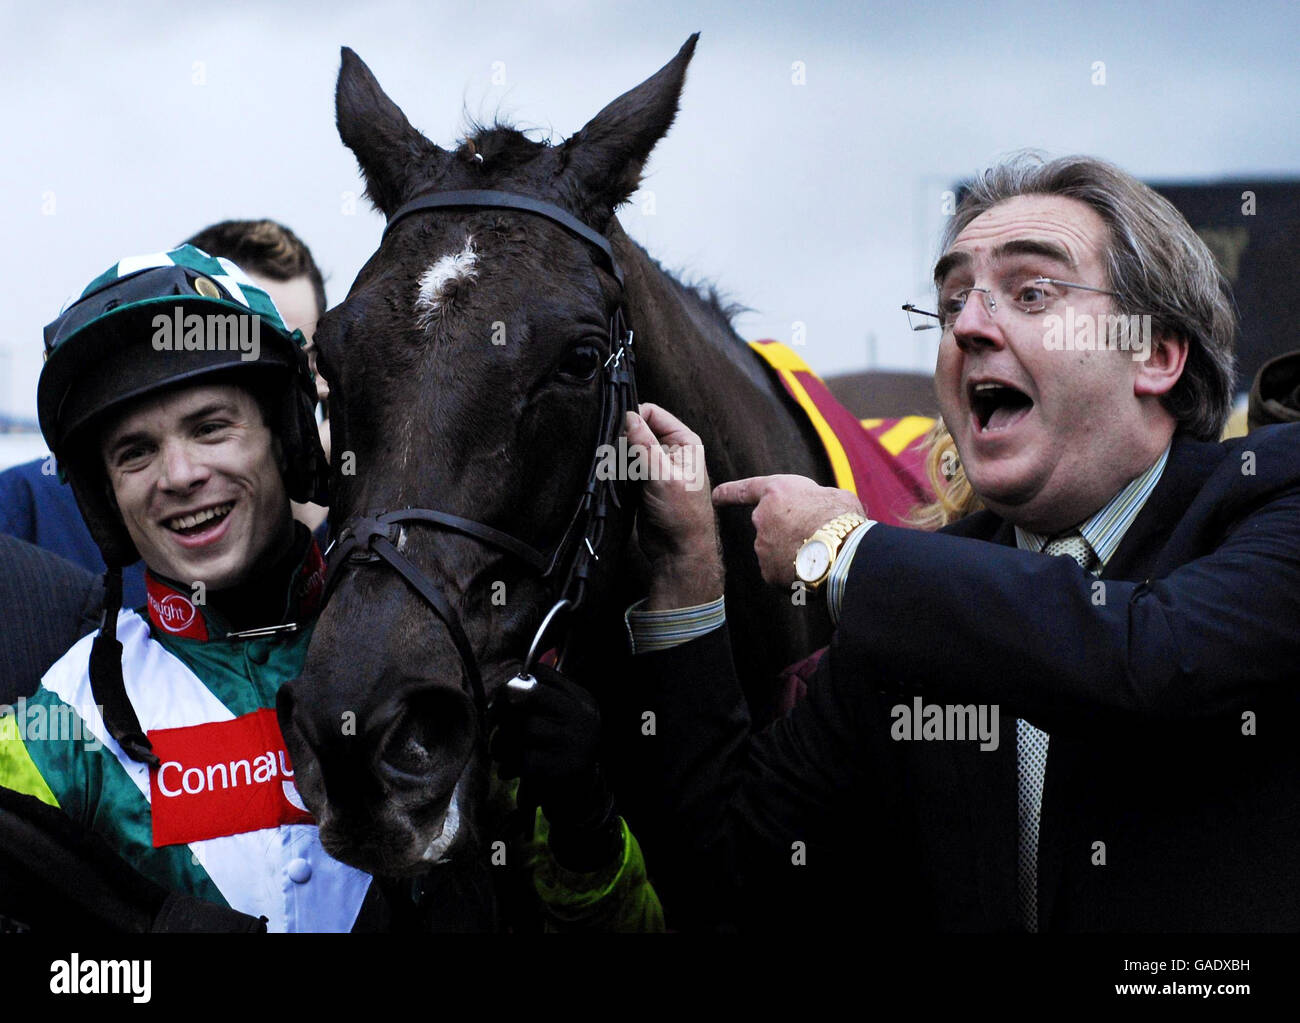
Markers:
{"x": 997, "y": 406}
{"x": 199, "y": 521}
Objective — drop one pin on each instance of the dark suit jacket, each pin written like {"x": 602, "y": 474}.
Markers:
{"x": 46, "y": 604}
{"x": 1169, "y": 688}
{"x": 36, "y": 507}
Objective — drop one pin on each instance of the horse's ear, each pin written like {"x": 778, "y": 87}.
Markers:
{"x": 391, "y": 153}
{"x": 605, "y": 159}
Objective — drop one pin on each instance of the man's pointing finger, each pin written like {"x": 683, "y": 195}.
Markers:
{"x": 746, "y": 491}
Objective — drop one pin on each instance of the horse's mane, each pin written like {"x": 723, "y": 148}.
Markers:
{"x": 504, "y": 143}
{"x": 705, "y": 294}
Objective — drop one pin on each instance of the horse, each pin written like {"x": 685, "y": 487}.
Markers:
{"x": 469, "y": 369}
{"x": 889, "y": 394}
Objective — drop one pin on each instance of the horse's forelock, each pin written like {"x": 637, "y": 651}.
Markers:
{"x": 501, "y": 145}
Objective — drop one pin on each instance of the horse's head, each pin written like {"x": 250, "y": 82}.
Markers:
{"x": 467, "y": 371}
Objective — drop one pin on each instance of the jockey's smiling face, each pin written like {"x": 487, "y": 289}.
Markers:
{"x": 1062, "y": 431}
{"x": 195, "y": 476}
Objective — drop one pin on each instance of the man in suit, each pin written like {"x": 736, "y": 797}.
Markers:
{"x": 999, "y": 740}
{"x": 46, "y": 604}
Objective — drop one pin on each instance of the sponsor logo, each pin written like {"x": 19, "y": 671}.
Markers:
{"x": 222, "y": 778}
{"x": 192, "y": 781}
{"x": 175, "y": 613}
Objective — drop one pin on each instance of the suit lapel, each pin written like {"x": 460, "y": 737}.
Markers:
{"x": 996, "y": 821}
{"x": 1190, "y": 464}
{"x": 994, "y": 789}
{"x": 988, "y": 781}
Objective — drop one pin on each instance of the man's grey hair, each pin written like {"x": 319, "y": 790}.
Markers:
{"x": 1155, "y": 262}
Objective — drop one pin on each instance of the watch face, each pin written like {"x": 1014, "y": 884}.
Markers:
{"x": 813, "y": 561}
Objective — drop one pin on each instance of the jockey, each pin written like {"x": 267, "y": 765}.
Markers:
{"x": 180, "y": 410}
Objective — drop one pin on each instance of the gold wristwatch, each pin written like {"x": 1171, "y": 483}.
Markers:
{"x": 817, "y": 554}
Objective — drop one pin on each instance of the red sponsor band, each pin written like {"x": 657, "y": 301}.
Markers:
{"x": 222, "y": 778}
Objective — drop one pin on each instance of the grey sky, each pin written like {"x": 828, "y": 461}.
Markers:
{"x": 129, "y": 128}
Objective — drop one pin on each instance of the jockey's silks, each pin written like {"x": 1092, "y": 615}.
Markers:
{"x": 233, "y": 830}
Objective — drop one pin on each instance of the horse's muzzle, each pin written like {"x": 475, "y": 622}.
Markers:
{"x": 381, "y": 780}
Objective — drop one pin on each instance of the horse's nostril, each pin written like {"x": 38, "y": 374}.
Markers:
{"x": 429, "y": 742}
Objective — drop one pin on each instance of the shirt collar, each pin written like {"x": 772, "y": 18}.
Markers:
{"x": 172, "y": 611}
{"x": 1105, "y": 529}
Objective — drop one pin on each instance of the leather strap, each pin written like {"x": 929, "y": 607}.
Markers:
{"x": 493, "y": 200}
{"x": 433, "y": 596}
{"x": 373, "y": 537}
{"x": 469, "y": 527}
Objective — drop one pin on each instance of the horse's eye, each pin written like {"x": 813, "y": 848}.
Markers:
{"x": 580, "y": 364}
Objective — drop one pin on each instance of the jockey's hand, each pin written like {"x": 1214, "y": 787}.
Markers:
{"x": 676, "y": 526}
{"x": 549, "y": 738}
{"x": 787, "y": 510}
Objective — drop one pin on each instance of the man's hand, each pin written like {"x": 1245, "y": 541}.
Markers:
{"x": 788, "y": 510}
{"x": 676, "y": 527}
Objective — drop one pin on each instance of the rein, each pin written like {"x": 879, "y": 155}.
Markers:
{"x": 376, "y": 537}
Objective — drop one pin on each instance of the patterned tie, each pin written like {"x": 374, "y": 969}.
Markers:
{"x": 1031, "y": 763}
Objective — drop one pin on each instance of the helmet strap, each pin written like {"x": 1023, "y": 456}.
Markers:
{"x": 106, "y": 683}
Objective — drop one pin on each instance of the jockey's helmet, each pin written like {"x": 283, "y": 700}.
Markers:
{"x": 155, "y": 322}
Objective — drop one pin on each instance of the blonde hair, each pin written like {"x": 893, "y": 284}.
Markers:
{"x": 955, "y": 498}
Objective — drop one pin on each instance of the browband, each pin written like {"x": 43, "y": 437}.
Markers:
{"x": 489, "y": 199}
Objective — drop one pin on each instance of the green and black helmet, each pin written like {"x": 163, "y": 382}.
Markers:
{"x": 116, "y": 344}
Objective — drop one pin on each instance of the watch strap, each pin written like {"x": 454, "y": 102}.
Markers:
{"x": 833, "y": 534}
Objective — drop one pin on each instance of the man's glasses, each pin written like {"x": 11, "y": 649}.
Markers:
{"x": 1032, "y": 295}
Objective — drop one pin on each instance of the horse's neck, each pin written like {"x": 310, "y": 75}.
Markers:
{"x": 691, "y": 362}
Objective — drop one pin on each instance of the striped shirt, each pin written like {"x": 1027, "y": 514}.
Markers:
{"x": 1106, "y": 528}
{"x": 648, "y": 631}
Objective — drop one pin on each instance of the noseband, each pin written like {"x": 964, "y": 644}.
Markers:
{"x": 376, "y": 536}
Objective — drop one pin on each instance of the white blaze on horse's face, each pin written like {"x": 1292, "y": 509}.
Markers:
{"x": 436, "y": 281}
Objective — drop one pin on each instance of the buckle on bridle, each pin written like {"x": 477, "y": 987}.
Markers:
{"x": 621, "y": 347}
{"x": 358, "y": 537}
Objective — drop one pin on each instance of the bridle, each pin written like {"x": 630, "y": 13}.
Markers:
{"x": 374, "y": 537}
